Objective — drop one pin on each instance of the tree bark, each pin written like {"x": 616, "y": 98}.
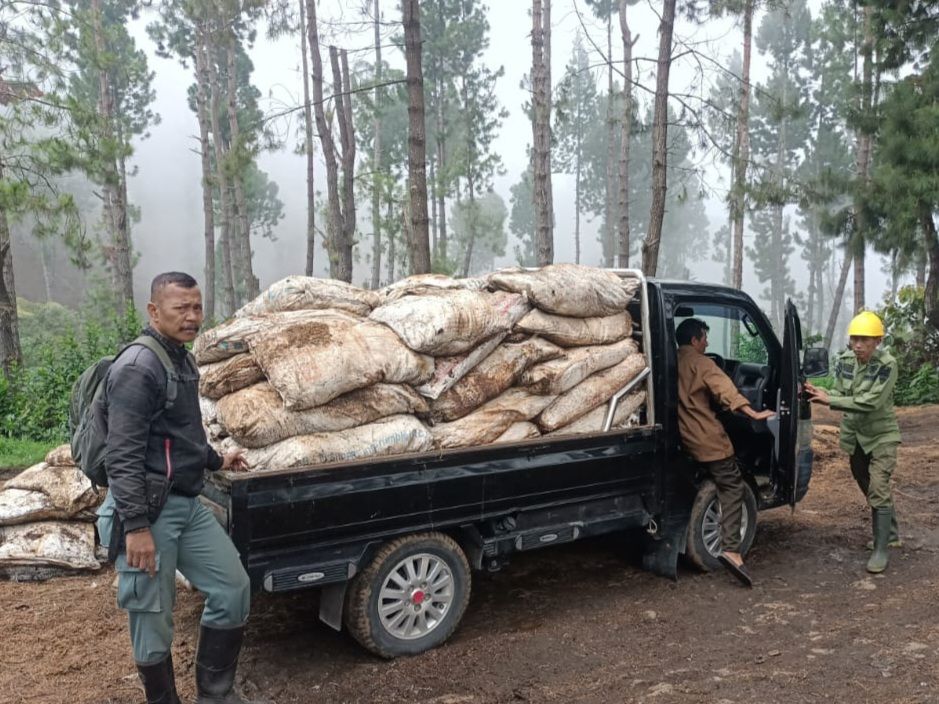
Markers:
{"x": 471, "y": 223}
{"x": 342, "y": 91}
{"x": 836, "y": 300}
{"x": 622, "y": 259}
{"x": 113, "y": 190}
{"x": 859, "y": 240}
{"x": 541, "y": 136}
{"x": 221, "y": 180}
{"x": 650, "y": 248}
{"x": 608, "y": 246}
{"x": 308, "y": 145}
{"x": 376, "y": 156}
{"x": 10, "y": 352}
{"x": 251, "y": 284}
{"x": 334, "y": 211}
{"x": 742, "y": 158}
{"x": 931, "y": 247}
{"x": 417, "y": 158}
{"x": 200, "y": 57}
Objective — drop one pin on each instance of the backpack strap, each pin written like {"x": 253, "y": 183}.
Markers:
{"x": 172, "y": 377}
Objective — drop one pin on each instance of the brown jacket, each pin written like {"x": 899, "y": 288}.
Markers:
{"x": 700, "y": 381}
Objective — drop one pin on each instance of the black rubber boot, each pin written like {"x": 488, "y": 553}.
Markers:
{"x": 880, "y": 518}
{"x": 216, "y": 662}
{"x": 159, "y": 682}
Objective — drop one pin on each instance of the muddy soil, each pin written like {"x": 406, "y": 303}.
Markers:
{"x": 580, "y": 623}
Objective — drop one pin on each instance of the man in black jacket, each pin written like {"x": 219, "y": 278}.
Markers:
{"x": 156, "y": 454}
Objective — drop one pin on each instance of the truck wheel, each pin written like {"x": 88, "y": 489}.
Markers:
{"x": 410, "y": 597}
{"x": 704, "y": 530}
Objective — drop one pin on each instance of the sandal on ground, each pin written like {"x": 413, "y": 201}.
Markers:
{"x": 738, "y": 571}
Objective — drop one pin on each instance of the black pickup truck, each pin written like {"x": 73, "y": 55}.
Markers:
{"x": 392, "y": 542}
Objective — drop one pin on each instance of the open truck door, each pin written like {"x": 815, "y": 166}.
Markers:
{"x": 792, "y": 455}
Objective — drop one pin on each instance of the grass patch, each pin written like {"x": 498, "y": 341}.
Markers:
{"x": 18, "y": 453}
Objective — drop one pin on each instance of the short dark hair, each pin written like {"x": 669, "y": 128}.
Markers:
{"x": 161, "y": 281}
{"x": 690, "y": 329}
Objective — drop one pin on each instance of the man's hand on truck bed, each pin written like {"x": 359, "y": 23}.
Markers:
{"x": 234, "y": 461}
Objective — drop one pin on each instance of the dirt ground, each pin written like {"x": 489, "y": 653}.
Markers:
{"x": 579, "y": 623}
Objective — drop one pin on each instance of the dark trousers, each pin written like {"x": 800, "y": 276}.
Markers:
{"x": 730, "y": 492}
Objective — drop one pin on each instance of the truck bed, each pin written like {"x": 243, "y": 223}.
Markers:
{"x": 284, "y": 521}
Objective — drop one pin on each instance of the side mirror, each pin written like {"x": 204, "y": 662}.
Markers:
{"x": 815, "y": 362}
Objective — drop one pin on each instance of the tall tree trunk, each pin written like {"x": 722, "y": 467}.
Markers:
{"x": 577, "y": 189}
{"x": 221, "y": 180}
{"x": 471, "y": 224}
{"x": 208, "y": 206}
{"x": 859, "y": 243}
{"x": 342, "y": 91}
{"x": 608, "y": 246}
{"x": 931, "y": 246}
{"x": 431, "y": 166}
{"x": 10, "y": 352}
{"x": 115, "y": 206}
{"x": 441, "y": 181}
{"x": 334, "y": 211}
{"x": 625, "y": 137}
{"x": 251, "y": 283}
{"x": 392, "y": 249}
{"x": 836, "y": 300}
{"x": 777, "y": 286}
{"x": 46, "y": 270}
{"x": 921, "y": 269}
{"x": 650, "y": 248}
{"x": 417, "y": 158}
{"x": 308, "y": 145}
{"x": 739, "y": 193}
{"x": 376, "y": 156}
{"x": 541, "y": 137}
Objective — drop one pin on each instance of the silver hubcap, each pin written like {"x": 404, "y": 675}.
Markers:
{"x": 416, "y": 596}
{"x": 711, "y": 527}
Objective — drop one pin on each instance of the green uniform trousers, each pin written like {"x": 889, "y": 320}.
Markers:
{"x": 730, "y": 493}
{"x": 188, "y": 538}
{"x": 872, "y": 472}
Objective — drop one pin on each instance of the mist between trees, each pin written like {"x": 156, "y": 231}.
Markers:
{"x": 826, "y": 155}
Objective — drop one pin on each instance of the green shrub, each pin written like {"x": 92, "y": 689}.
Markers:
{"x": 16, "y": 453}
{"x": 34, "y": 401}
{"x": 915, "y": 344}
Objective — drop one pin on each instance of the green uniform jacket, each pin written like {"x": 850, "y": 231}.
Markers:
{"x": 865, "y": 393}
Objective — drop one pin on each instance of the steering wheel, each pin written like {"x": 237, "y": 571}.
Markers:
{"x": 718, "y": 360}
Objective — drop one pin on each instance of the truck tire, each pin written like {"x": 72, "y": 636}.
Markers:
{"x": 704, "y": 536}
{"x": 411, "y": 596}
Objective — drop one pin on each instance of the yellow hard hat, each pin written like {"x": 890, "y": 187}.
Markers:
{"x": 866, "y": 324}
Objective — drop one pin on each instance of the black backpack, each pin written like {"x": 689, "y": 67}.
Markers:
{"x": 87, "y": 405}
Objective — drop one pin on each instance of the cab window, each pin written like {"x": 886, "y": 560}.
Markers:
{"x": 732, "y": 334}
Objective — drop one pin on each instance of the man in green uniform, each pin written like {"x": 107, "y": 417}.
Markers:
{"x": 864, "y": 379}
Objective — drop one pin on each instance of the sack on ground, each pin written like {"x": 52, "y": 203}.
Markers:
{"x": 49, "y": 543}
{"x": 491, "y": 377}
{"x": 449, "y": 370}
{"x": 311, "y": 363}
{"x": 576, "y": 332}
{"x": 487, "y": 423}
{"x": 390, "y": 436}
{"x": 559, "y": 375}
{"x": 255, "y": 417}
{"x": 517, "y": 432}
{"x": 60, "y": 456}
{"x": 308, "y": 293}
{"x": 45, "y": 492}
{"x": 590, "y": 393}
{"x": 569, "y": 289}
{"x": 593, "y": 421}
{"x": 222, "y": 378}
{"x": 453, "y": 321}
{"x": 424, "y": 284}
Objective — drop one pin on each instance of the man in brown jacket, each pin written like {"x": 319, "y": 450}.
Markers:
{"x": 701, "y": 385}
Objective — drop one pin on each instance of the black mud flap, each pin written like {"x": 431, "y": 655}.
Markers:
{"x": 661, "y": 550}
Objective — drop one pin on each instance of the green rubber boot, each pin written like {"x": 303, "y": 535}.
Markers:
{"x": 894, "y": 540}
{"x": 880, "y": 518}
